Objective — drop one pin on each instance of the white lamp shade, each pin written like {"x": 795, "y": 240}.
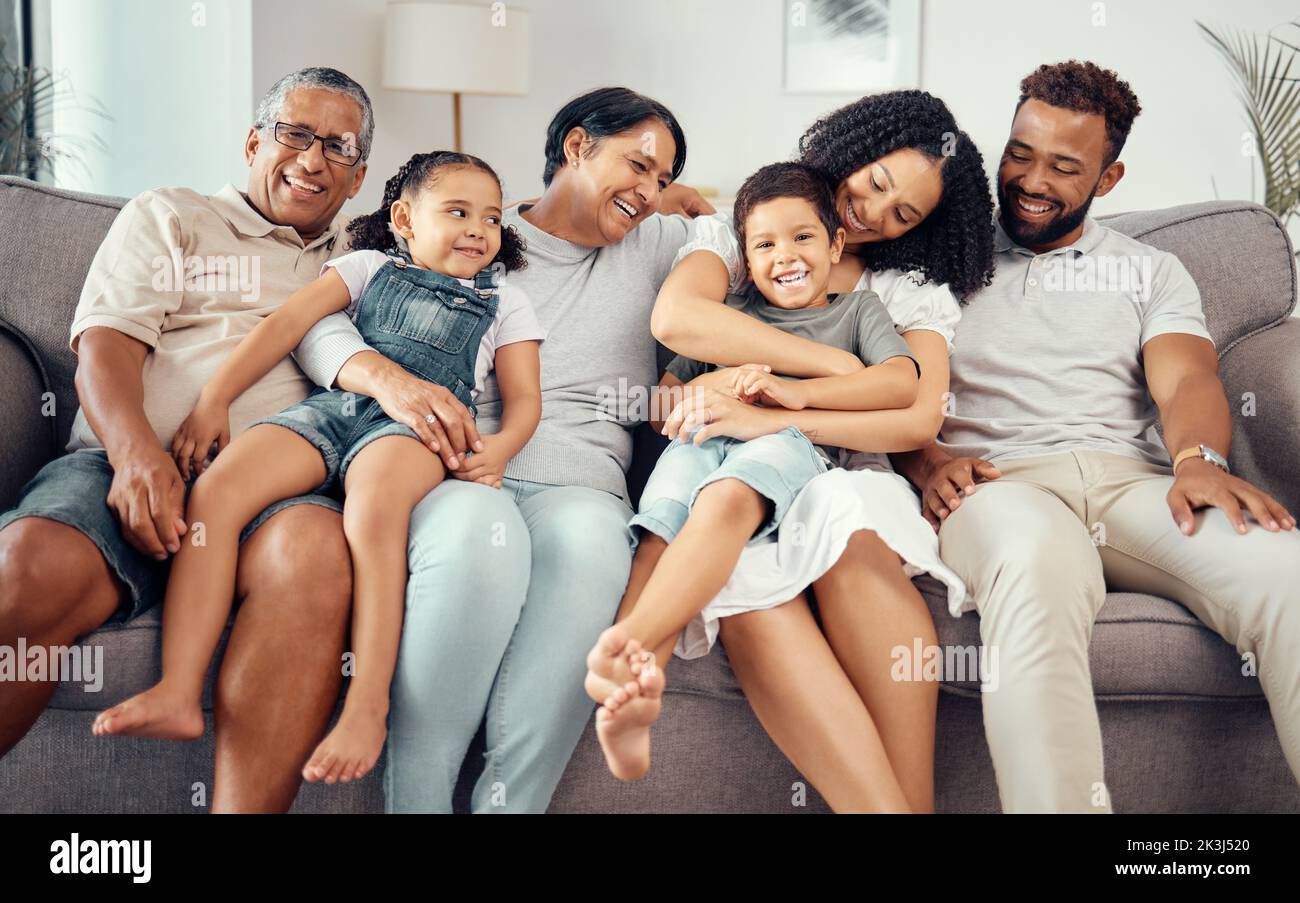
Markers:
{"x": 456, "y": 48}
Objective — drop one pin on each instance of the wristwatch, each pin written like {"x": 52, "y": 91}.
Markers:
{"x": 1204, "y": 452}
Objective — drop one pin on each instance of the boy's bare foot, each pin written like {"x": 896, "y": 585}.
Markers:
{"x": 349, "y": 751}
{"x": 157, "y": 712}
{"x": 608, "y": 670}
{"x": 623, "y": 723}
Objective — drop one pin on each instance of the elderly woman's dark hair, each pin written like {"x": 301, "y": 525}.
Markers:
{"x": 954, "y": 244}
{"x": 605, "y": 112}
{"x": 372, "y": 231}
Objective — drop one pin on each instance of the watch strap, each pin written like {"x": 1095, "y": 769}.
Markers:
{"x": 1198, "y": 451}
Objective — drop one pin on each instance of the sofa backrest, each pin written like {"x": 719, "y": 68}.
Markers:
{"x": 1237, "y": 252}
{"x": 48, "y": 238}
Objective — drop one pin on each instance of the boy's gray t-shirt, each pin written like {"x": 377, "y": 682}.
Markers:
{"x": 854, "y": 321}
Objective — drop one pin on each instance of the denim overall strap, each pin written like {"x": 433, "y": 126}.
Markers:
{"x": 429, "y": 323}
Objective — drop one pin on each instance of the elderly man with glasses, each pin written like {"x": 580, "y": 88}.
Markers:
{"x": 180, "y": 278}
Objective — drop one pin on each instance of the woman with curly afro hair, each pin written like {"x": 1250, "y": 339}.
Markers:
{"x": 913, "y": 198}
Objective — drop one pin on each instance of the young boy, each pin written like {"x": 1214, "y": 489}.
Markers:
{"x": 706, "y": 499}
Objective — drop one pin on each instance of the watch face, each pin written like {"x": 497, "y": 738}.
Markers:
{"x": 1213, "y": 457}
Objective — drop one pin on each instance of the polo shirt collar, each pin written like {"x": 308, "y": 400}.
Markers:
{"x": 245, "y": 218}
{"x": 1086, "y": 243}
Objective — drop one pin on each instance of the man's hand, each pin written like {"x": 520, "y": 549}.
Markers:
{"x": 207, "y": 424}
{"x": 717, "y": 414}
{"x": 1199, "y": 484}
{"x": 755, "y": 386}
{"x": 684, "y": 200}
{"x": 410, "y": 400}
{"x": 487, "y": 466}
{"x": 948, "y": 482}
{"x": 148, "y": 496}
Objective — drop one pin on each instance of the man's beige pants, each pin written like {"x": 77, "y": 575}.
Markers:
{"x": 1038, "y": 549}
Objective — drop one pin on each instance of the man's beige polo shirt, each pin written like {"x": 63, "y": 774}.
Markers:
{"x": 190, "y": 275}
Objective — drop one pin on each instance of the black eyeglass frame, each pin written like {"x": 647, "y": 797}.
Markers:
{"x": 324, "y": 143}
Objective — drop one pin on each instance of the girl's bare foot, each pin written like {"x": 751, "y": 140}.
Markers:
{"x": 349, "y": 751}
{"x": 608, "y": 670}
{"x": 157, "y": 712}
{"x": 623, "y": 722}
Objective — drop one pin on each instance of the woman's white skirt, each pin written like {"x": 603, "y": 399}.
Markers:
{"x": 813, "y": 536}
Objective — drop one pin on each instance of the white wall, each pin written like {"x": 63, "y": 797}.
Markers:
{"x": 736, "y": 118}
{"x": 181, "y": 95}
{"x": 718, "y": 66}
{"x": 1191, "y": 125}
{"x": 175, "y": 78}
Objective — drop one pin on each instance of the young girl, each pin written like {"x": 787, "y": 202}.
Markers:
{"x": 441, "y": 317}
{"x": 710, "y": 495}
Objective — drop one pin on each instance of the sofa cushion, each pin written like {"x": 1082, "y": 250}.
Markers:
{"x": 1141, "y": 646}
{"x": 132, "y": 661}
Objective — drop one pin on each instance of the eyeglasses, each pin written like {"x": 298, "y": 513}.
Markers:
{"x": 336, "y": 150}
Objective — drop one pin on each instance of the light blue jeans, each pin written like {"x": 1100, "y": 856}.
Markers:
{"x": 509, "y": 590}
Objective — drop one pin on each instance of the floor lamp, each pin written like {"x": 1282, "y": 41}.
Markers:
{"x": 456, "y": 49}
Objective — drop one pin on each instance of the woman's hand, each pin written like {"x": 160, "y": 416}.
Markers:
{"x": 684, "y": 200}
{"x": 433, "y": 411}
{"x": 207, "y": 425}
{"x": 487, "y": 466}
{"x": 710, "y": 413}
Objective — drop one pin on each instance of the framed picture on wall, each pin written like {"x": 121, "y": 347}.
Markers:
{"x": 851, "y": 46}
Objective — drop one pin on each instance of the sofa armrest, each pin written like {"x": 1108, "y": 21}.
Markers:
{"x": 1261, "y": 375}
{"x": 27, "y": 436}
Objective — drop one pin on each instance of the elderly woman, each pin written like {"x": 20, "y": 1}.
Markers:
{"x": 509, "y": 587}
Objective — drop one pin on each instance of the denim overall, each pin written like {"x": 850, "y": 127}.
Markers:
{"x": 428, "y": 323}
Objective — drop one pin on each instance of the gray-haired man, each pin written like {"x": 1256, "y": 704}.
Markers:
{"x": 178, "y": 281}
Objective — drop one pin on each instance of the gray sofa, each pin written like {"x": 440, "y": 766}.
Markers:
{"x": 1183, "y": 730}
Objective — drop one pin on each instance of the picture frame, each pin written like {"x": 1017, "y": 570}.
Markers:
{"x": 851, "y": 46}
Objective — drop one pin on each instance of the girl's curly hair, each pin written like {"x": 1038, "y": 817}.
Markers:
{"x": 954, "y": 244}
{"x": 371, "y": 232}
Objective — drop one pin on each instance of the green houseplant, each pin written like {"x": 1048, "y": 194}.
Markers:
{"x": 1266, "y": 73}
{"x": 32, "y": 94}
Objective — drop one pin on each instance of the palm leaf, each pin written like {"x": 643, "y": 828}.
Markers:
{"x": 31, "y": 93}
{"x": 1266, "y": 79}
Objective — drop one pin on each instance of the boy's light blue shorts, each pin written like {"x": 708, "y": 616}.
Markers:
{"x": 776, "y": 466}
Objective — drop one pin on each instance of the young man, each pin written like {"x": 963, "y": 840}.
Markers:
{"x": 1063, "y": 364}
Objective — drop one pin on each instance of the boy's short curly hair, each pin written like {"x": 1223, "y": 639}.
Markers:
{"x": 784, "y": 180}
{"x": 1086, "y": 88}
